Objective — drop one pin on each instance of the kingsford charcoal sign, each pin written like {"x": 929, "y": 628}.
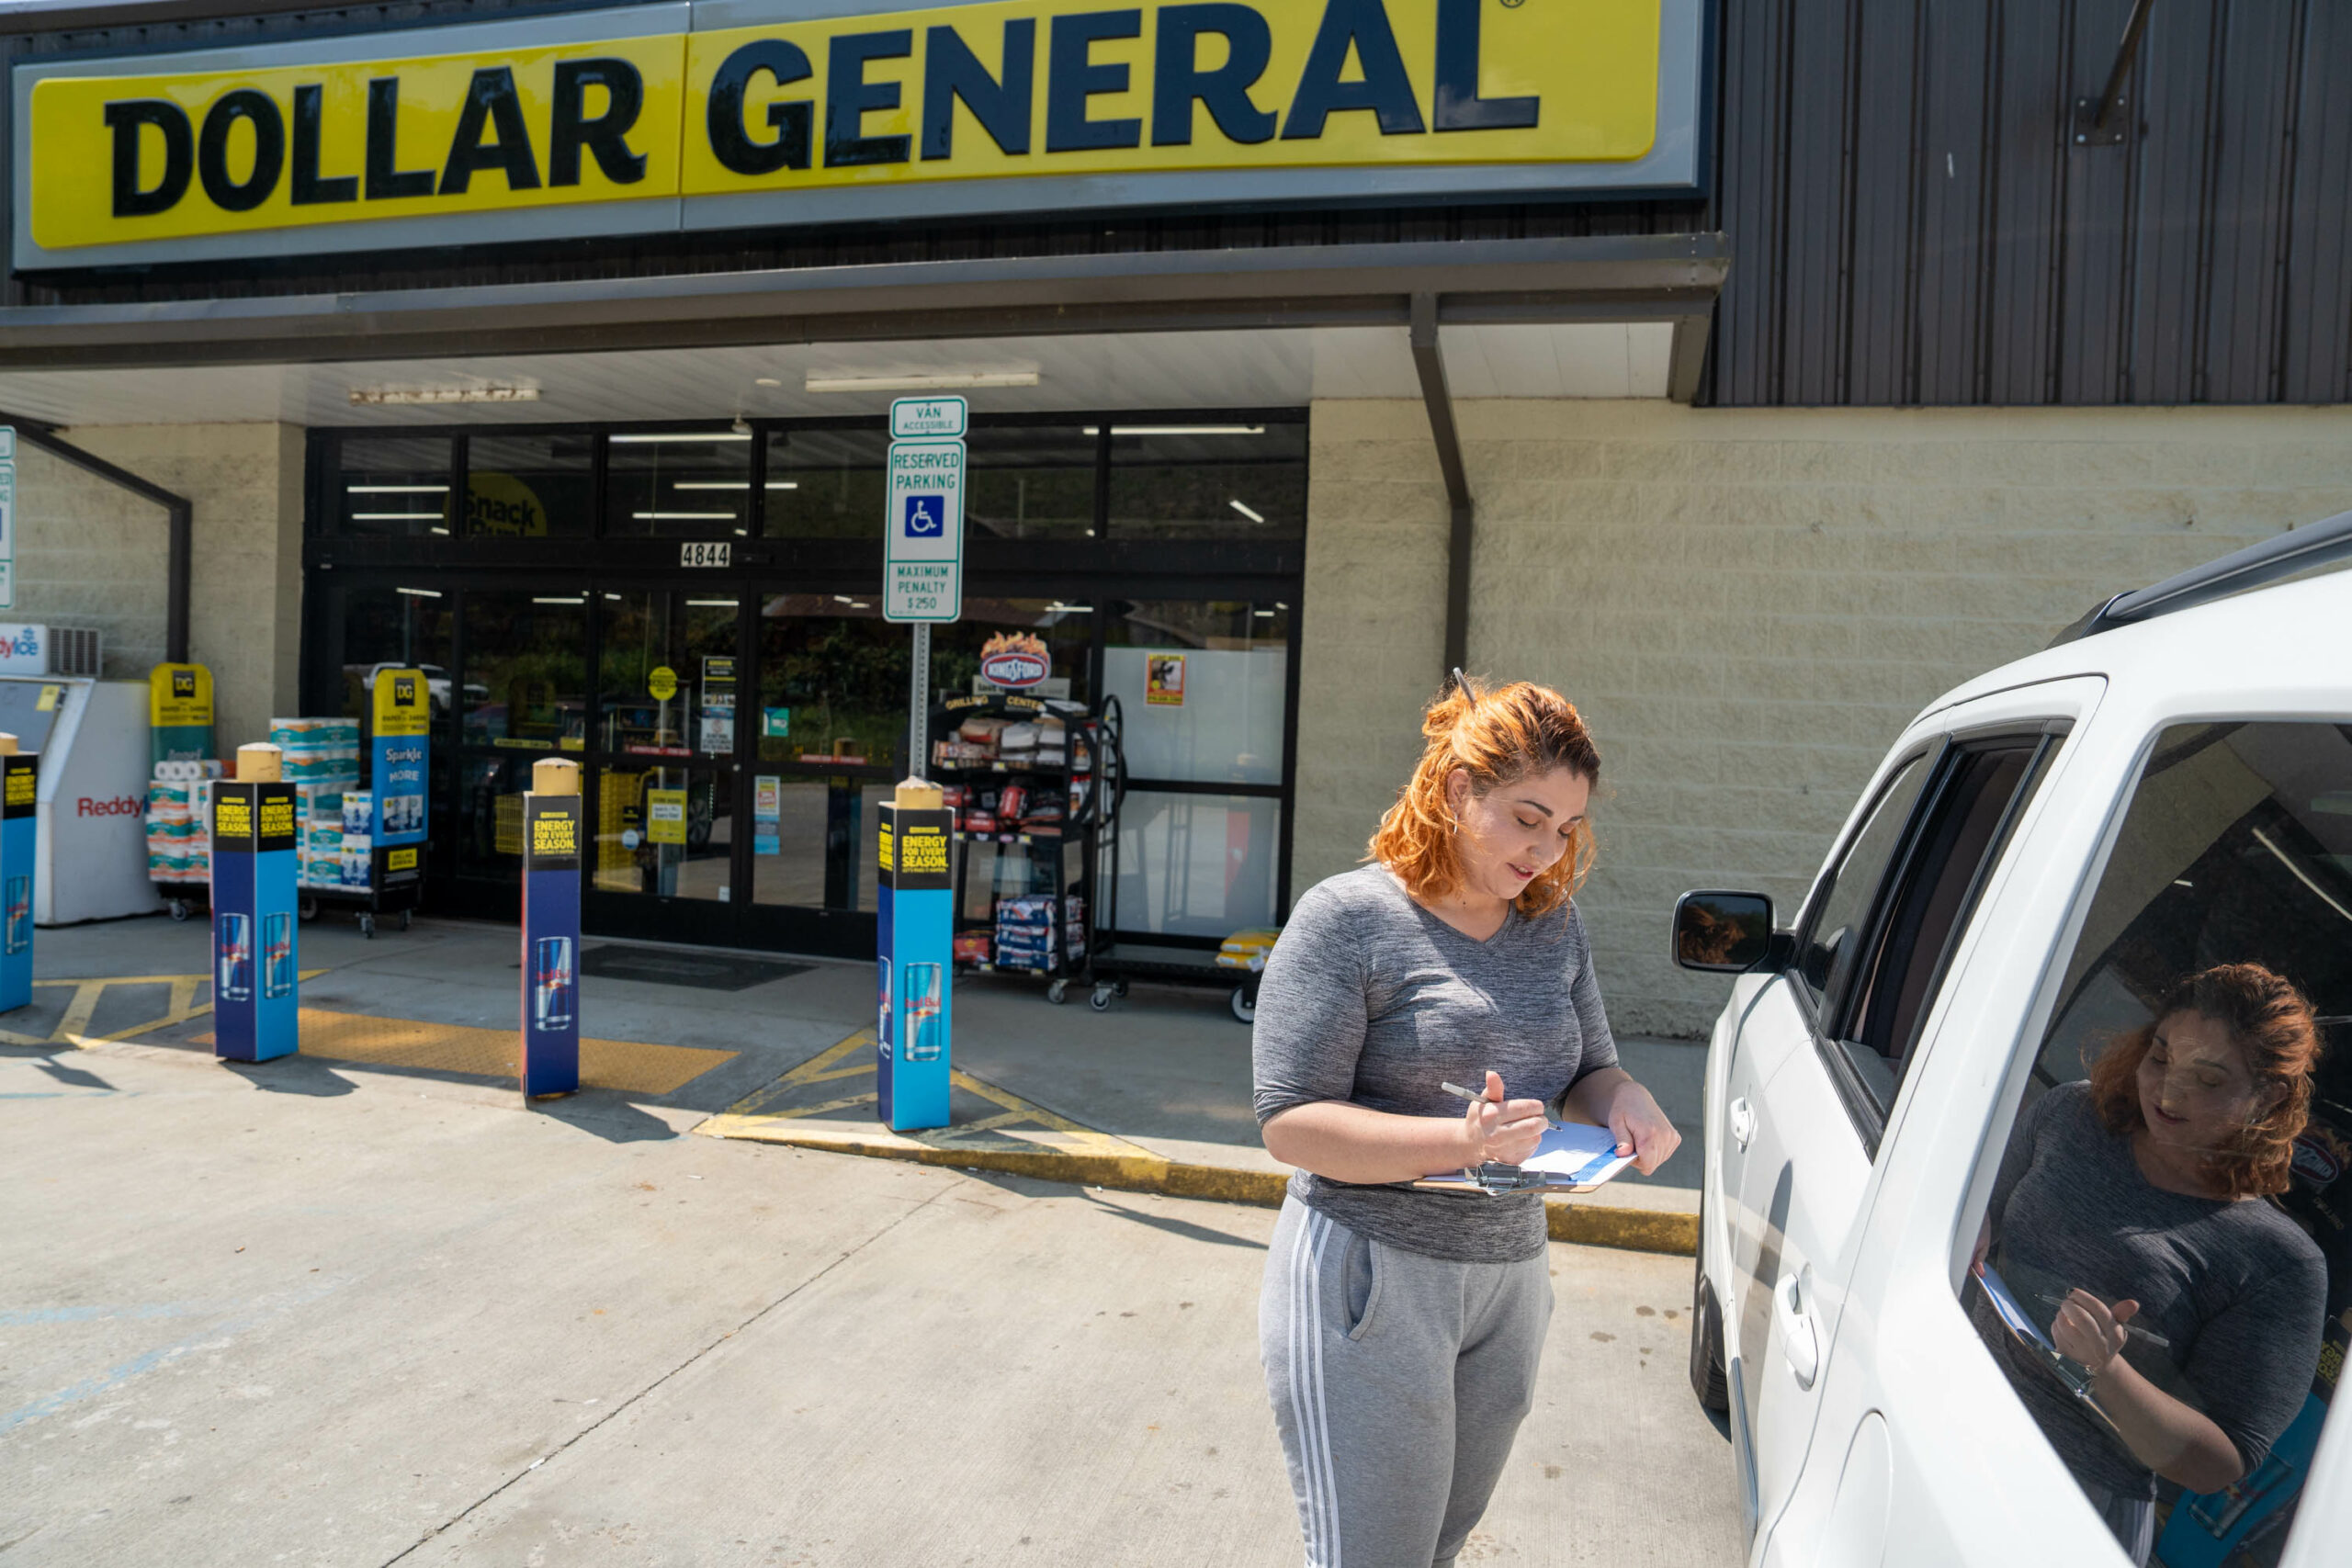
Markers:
{"x": 1014, "y": 659}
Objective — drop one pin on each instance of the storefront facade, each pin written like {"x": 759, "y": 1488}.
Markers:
{"x": 1750, "y": 373}
{"x": 536, "y": 575}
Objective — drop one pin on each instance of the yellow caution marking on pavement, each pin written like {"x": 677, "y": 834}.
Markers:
{"x": 72, "y": 1025}
{"x": 631, "y": 1067}
{"x": 1023, "y": 1138}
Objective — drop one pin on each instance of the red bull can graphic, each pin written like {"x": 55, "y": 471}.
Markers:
{"x": 921, "y": 1019}
{"x": 234, "y": 979}
{"x": 553, "y": 985}
{"x": 277, "y": 956}
{"x": 19, "y": 898}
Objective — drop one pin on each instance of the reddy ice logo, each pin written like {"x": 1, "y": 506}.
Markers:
{"x": 1014, "y": 659}
{"x": 19, "y": 642}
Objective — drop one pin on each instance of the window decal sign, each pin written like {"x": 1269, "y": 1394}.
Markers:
{"x": 727, "y": 113}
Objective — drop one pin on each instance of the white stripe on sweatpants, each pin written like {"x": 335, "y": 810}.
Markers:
{"x": 1307, "y": 1410}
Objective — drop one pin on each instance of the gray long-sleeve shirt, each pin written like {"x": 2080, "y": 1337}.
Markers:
{"x": 2237, "y": 1289}
{"x": 1368, "y": 997}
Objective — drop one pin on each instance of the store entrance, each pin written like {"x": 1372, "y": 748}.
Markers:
{"x": 739, "y": 722}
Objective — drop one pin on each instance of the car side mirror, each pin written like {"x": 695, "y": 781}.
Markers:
{"x": 1724, "y": 933}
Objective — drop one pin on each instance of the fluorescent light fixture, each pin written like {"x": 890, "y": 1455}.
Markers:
{"x": 742, "y": 533}
{"x": 1279, "y": 604}
{"x": 440, "y": 530}
{"x": 712, "y": 603}
{"x": 396, "y": 490}
{"x": 731, "y": 484}
{"x": 919, "y": 380}
{"x": 559, "y": 599}
{"x": 844, "y": 599}
{"x": 371, "y": 396}
{"x": 394, "y": 516}
{"x": 615, "y": 597}
{"x": 641, "y": 437}
{"x": 420, "y": 593}
{"x": 1251, "y": 512}
{"x": 1179, "y": 429}
{"x": 1058, "y": 608}
{"x": 1263, "y": 614}
{"x": 684, "y": 516}
{"x": 766, "y": 381}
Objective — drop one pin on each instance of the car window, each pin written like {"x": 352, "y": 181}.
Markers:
{"x": 1831, "y": 938}
{"x": 2161, "y": 1271}
{"x": 1977, "y": 792}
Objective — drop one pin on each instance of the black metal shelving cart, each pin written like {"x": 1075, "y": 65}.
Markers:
{"x": 1084, "y": 787}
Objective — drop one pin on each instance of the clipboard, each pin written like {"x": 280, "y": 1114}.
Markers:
{"x": 2071, "y": 1374}
{"x": 1573, "y": 1157}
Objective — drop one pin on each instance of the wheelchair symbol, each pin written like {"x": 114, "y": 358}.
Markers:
{"x": 926, "y": 517}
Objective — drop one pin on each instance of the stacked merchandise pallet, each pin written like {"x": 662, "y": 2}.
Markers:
{"x": 179, "y": 840}
{"x": 1022, "y": 776}
{"x": 321, "y": 762}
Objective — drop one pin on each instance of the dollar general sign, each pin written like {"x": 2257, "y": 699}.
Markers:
{"x": 666, "y": 118}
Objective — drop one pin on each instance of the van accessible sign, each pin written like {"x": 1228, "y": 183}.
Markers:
{"x": 722, "y": 113}
{"x": 922, "y": 564}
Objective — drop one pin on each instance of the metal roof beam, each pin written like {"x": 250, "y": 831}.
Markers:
{"x": 1610, "y": 278}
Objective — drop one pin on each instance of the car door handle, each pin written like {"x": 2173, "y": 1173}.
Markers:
{"x": 1743, "y": 1121}
{"x": 1797, "y": 1341}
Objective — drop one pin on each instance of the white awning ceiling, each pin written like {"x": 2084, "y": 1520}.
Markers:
{"x": 1278, "y": 368}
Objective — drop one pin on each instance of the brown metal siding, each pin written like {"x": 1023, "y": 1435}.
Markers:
{"x": 1910, "y": 221}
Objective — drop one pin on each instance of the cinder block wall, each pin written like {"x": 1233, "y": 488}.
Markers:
{"x": 1749, "y": 605}
{"x": 91, "y": 555}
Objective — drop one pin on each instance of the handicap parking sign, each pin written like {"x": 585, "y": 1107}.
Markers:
{"x": 925, "y": 516}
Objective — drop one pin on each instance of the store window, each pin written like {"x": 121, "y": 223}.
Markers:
{"x": 1029, "y": 481}
{"x": 401, "y": 627}
{"x": 487, "y": 818}
{"x": 832, "y": 680}
{"x": 1245, "y": 480}
{"x": 1195, "y": 865}
{"x": 394, "y": 484}
{"x": 2162, "y": 1274}
{"x": 667, "y": 673}
{"x": 812, "y": 841}
{"x": 1202, "y": 685}
{"x": 689, "y": 484}
{"x": 527, "y": 665}
{"x": 529, "y": 485}
{"x": 825, "y": 483}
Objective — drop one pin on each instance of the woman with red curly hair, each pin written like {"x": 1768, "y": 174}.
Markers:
{"x": 1401, "y": 1329}
{"x": 2133, "y": 1204}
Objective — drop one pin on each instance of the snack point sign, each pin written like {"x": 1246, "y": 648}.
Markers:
{"x": 733, "y": 113}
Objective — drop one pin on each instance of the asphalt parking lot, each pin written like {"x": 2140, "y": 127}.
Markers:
{"x": 314, "y": 1313}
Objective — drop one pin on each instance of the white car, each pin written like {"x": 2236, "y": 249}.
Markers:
{"x": 2043, "y": 853}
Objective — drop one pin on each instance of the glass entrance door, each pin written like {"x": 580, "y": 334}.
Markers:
{"x": 661, "y": 774}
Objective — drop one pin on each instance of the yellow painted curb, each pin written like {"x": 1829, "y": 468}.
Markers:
{"x": 1587, "y": 1225}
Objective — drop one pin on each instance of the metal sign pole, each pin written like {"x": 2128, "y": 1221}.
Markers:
{"x": 919, "y": 704}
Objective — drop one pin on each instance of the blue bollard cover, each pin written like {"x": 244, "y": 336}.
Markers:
{"x": 256, "y": 960}
{"x": 914, "y": 1060}
{"x": 550, "y": 1055}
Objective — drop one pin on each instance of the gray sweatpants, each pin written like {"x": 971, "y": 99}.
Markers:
{"x": 1399, "y": 1382}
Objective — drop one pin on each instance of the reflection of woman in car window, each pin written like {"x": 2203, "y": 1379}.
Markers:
{"x": 2128, "y": 1215}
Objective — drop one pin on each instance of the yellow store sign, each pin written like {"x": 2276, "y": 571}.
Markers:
{"x": 730, "y": 114}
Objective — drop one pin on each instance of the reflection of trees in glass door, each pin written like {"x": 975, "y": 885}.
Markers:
{"x": 669, "y": 706}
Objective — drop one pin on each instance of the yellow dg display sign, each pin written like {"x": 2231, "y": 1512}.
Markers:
{"x": 732, "y": 112}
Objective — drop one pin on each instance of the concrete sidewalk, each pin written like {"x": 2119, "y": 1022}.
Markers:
{"x": 1152, "y": 1094}
{"x": 360, "y": 1316}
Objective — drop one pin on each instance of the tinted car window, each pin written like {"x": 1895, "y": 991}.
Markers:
{"x": 1833, "y": 936}
{"x": 2162, "y": 1275}
{"x": 1977, "y": 792}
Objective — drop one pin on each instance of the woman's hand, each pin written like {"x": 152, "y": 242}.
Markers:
{"x": 2089, "y": 1331}
{"x": 1640, "y": 1128}
{"x": 1503, "y": 1131}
